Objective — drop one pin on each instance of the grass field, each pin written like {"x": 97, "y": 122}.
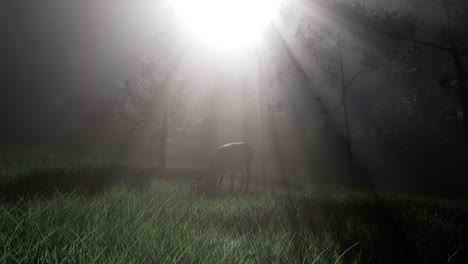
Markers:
{"x": 54, "y": 210}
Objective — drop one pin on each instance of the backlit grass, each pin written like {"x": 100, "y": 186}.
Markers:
{"x": 167, "y": 221}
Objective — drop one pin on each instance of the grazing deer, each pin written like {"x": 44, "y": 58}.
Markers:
{"x": 232, "y": 157}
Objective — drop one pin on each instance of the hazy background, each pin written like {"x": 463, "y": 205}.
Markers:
{"x": 60, "y": 61}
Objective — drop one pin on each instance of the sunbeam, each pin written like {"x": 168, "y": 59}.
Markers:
{"x": 226, "y": 24}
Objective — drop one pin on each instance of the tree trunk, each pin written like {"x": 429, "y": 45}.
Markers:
{"x": 280, "y": 156}
{"x": 162, "y": 146}
{"x": 461, "y": 82}
{"x": 165, "y": 112}
{"x": 459, "y": 69}
{"x": 349, "y": 154}
{"x": 262, "y": 118}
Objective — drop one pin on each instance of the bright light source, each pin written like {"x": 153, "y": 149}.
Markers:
{"x": 226, "y": 24}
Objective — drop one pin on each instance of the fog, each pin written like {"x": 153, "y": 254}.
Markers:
{"x": 62, "y": 62}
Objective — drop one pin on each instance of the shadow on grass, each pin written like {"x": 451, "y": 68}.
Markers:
{"x": 386, "y": 231}
{"x": 88, "y": 181}
{"x": 375, "y": 229}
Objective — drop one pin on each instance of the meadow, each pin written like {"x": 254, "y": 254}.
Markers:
{"x": 59, "y": 210}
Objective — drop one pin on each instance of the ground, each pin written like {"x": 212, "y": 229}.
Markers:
{"x": 62, "y": 211}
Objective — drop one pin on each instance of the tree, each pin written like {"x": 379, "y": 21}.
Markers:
{"x": 409, "y": 114}
{"x": 386, "y": 40}
{"x": 326, "y": 41}
{"x": 382, "y": 24}
{"x": 152, "y": 101}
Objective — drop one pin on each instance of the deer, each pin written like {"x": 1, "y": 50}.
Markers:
{"x": 232, "y": 157}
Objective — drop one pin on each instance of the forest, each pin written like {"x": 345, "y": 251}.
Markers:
{"x": 282, "y": 131}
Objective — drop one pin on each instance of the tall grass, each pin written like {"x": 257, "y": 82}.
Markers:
{"x": 166, "y": 221}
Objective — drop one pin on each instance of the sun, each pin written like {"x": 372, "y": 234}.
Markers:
{"x": 226, "y": 24}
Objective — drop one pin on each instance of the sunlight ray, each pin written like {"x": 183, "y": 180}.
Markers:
{"x": 217, "y": 24}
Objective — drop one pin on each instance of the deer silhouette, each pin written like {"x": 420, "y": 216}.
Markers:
{"x": 230, "y": 158}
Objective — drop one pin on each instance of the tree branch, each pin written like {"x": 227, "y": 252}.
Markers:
{"x": 366, "y": 22}
{"x": 457, "y": 2}
{"x": 354, "y": 77}
{"x": 137, "y": 123}
{"x": 170, "y": 74}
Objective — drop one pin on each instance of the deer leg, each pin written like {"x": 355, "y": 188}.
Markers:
{"x": 242, "y": 179}
{"x": 247, "y": 176}
{"x": 220, "y": 180}
{"x": 233, "y": 174}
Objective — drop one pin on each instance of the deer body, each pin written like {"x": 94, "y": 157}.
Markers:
{"x": 232, "y": 157}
